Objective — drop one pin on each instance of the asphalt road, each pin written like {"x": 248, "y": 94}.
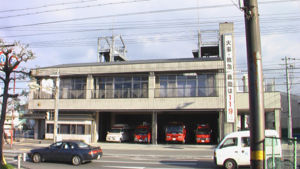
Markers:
{"x": 134, "y": 157}
{"x": 131, "y": 156}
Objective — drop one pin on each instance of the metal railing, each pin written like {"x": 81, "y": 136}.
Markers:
{"x": 186, "y": 92}
{"x": 119, "y": 93}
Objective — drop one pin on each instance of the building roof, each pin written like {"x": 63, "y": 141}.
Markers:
{"x": 133, "y": 62}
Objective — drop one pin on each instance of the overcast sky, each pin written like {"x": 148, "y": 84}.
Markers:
{"x": 66, "y": 31}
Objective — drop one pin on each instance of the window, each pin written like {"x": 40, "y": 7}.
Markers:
{"x": 70, "y": 129}
{"x": 230, "y": 142}
{"x": 206, "y": 85}
{"x": 56, "y": 145}
{"x": 80, "y": 129}
{"x": 187, "y": 85}
{"x": 121, "y": 87}
{"x": 73, "y": 88}
{"x": 50, "y": 128}
{"x": 65, "y": 129}
{"x": 245, "y": 142}
{"x": 73, "y": 129}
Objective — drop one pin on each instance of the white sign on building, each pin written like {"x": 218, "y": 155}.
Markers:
{"x": 229, "y": 78}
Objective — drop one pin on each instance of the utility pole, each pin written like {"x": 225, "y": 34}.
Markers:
{"x": 290, "y": 122}
{"x": 56, "y": 105}
{"x": 256, "y": 93}
{"x": 199, "y": 44}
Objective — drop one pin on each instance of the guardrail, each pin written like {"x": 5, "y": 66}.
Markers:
{"x": 12, "y": 157}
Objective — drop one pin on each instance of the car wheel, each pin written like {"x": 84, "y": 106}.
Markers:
{"x": 36, "y": 158}
{"x": 76, "y": 160}
{"x": 230, "y": 164}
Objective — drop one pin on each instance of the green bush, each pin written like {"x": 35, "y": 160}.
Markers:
{"x": 7, "y": 166}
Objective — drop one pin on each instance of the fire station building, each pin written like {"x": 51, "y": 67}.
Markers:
{"x": 91, "y": 97}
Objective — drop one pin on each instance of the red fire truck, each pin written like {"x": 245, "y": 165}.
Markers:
{"x": 175, "y": 133}
{"x": 203, "y": 133}
{"x": 142, "y": 134}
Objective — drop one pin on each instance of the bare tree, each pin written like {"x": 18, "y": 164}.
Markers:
{"x": 11, "y": 56}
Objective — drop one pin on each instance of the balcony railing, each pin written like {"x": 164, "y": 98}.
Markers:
{"x": 185, "y": 92}
{"x": 72, "y": 94}
{"x": 130, "y": 93}
{"x": 120, "y": 93}
{"x": 64, "y": 94}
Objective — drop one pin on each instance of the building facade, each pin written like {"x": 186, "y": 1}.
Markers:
{"x": 91, "y": 97}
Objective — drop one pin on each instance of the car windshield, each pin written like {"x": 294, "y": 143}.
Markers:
{"x": 174, "y": 129}
{"x": 82, "y": 145}
{"x": 203, "y": 131}
{"x": 115, "y": 130}
{"x": 141, "y": 131}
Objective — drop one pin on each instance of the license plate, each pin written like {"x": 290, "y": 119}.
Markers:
{"x": 174, "y": 139}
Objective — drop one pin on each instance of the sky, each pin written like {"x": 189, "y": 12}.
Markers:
{"x": 61, "y": 32}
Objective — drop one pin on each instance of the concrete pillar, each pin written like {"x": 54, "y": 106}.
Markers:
{"x": 94, "y": 131}
{"x": 221, "y": 125}
{"x": 154, "y": 127}
{"x": 36, "y": 129}
{"x": 151, "y": 85}
{"x": 89, "y": 86}
{"x": 277, "y": 121}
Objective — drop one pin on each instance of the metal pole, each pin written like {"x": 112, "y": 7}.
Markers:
{"x": 256, "y": 93}
{"x": 295, "y": 153}
{"x": 290, "y": 126}
{"x": 199, "y": 44}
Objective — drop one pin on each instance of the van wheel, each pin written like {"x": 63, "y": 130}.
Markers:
{"x": 230, "y": 164}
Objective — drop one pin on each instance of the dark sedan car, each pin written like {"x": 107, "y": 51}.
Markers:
{"x": 76, "y": 152}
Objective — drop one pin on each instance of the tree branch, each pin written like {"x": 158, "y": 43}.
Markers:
{"x": 13, "y": 95}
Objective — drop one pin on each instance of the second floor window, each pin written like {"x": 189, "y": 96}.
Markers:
{"x": 194, "y": 85}
{"x": 121, "y": 87}
{"x": 72, "y": 88}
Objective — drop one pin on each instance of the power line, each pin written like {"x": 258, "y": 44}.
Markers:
{"x": 120, "y": 15}
{"x": 45, "y": 6}
{"x": 71, "y": 8}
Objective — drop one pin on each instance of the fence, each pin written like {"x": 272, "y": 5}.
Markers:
{"x": 281, "y": 153}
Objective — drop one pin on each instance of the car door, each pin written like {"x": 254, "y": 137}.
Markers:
{"x": 65, "y": 153}
{"x": 244, "y": 153}
{"x": 229, "y": 149}
{"x": 53, "y": 152}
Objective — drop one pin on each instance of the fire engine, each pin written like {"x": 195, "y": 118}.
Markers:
{"x": 142, "y": 133}
{"x": 203, "y": 133}
{"x": 175, "y": 133}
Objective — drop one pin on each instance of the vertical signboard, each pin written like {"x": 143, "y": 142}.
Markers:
{"x": 229, "y": 78}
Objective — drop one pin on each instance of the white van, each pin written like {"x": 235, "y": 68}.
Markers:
{"x": 234, "y": 149}
{"x": 119, "y": 133}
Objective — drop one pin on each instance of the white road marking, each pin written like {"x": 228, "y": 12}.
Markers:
{"x": 150, "y": 162}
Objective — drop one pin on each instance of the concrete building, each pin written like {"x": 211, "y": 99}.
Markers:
{"x": 94, "y": 96}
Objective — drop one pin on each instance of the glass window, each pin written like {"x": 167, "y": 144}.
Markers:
{"x": 56, "y": 145}
{"x": 80, "y": 129}
{"x": 73, "y": 88}
{"x": 121, "y": 87}
{"x": 65, "y": 129}
{"x": 245, "y": 142}
{"x": 230, "y": 142}
{"x": 50, "y": 128}
{"x": 73, "y": 129}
